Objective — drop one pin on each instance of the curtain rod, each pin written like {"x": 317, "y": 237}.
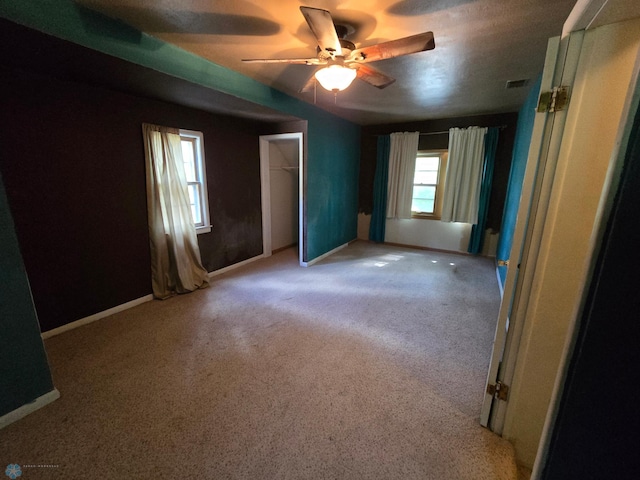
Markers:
{"x": 434, "y": 133}
{"x": 501, "y": 127}
{"x": 442, "y": 132}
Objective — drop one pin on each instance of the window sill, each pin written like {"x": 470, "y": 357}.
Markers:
{"x": 425, "y": 216}
{"x": 205, "y": 229}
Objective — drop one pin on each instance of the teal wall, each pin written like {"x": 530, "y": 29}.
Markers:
{"x": 332, "y": 186}
{"x": 521, "y": 144}
{"x": 24, "y": 371}
{"x": 333, "y": 153}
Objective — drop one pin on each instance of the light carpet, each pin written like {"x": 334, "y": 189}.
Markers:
{"x": 367, "y": 365}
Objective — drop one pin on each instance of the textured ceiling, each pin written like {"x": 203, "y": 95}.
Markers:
{"x": 480, "y": 45}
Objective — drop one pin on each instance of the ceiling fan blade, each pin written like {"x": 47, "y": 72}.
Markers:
{"x": 394, "y": 48}
{"x": 297, "y": 61}
{"x": 374, "y": 77}
{"x": 321, "y": 24}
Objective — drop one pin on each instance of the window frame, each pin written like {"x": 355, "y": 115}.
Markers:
{"x": 443, "y": 155}
{"x": 197, "y": 138}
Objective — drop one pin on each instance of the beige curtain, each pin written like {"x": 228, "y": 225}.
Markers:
{"x": 402, "y": 165}
{"x": 464, "y": 175}
{"x": 176, "y": 266}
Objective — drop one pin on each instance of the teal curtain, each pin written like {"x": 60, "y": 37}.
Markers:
{"x": 380, "y": 181}
{"x": 477, "y": 230}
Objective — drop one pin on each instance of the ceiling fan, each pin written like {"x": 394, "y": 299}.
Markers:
{"x": 341, "y": 59}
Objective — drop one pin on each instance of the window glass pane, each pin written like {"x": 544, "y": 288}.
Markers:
{"x": 422, "y": 206}
{"x": 424, "y": 192}
{"x": 423, "y": 199}
{"x": 426, "y": 177}
{"x": 425, "y": 184}
{"x": 194, "y": 197}
{"x": 428, "y": 163}
{"x": 188, "y": 149}
{"x": 427, "y": 170}
{"x": 191, "y": 144}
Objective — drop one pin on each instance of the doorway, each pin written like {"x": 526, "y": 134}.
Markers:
{"x": 281, "y": 172}
{"x": 548, "y": 267}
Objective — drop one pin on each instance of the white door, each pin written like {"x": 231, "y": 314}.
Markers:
{"x": 281, "y": 172}
{"x": 559, "y": 70}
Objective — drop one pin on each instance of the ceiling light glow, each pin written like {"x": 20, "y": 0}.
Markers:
{"x": 335, "y": 78}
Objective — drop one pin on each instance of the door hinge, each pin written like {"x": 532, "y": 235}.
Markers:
{"x": 499, "y": 390}
{"x": 554, "y": 100}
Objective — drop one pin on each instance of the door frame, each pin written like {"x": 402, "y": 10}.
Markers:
{"x": 560, "y": 68}
{"x": 265, "y": 184}
{"x": 605, "y": 209}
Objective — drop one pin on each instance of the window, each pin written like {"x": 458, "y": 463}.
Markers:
{"x": 194, "y": 168}
{"x": 428, "y": 184}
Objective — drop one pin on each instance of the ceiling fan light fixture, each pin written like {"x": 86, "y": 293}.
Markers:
{"x": 335, "y": 78}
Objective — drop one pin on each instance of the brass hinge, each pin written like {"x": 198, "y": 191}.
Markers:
{"x": 499, "y": 391}
{"x": 554, "y": 100}
{"x": 503, "y": 263}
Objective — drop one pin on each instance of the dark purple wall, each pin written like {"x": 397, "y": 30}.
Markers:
{"x": 73, "y": 165}
{"x": 441, "y": 141}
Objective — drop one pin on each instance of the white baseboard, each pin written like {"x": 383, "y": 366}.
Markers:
{"x": 97, "y": 316}
{"x": 317, "y": 259}
{"x": 234, "y": 266}
{"x": 133, "y": 303}
{"x": 28, "y": 408}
